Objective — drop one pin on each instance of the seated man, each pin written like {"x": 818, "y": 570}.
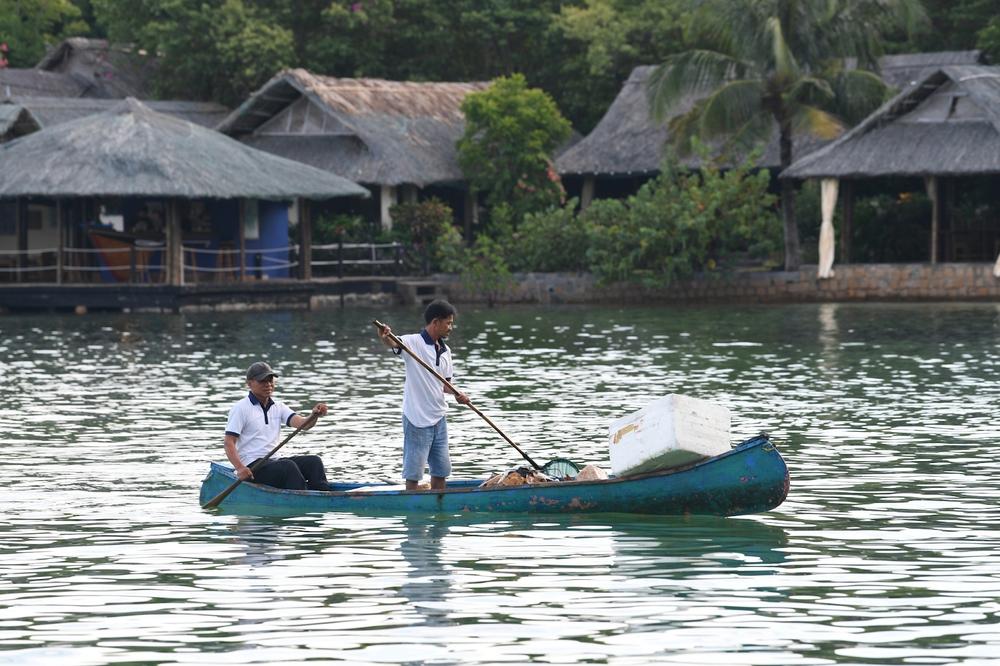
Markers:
{"x": 253, "y": 430}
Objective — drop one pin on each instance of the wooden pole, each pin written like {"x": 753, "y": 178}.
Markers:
{"x": 470, "y": 214}
{"x": 847, "y": 224}
{"x": 175, "y": 258}
{"x": 60, "y": 240}
{"x": 20, "y": 212}
{"x": 305, "y": 239}
{"x": 932, "y": 192}
{"x": 587, "y": 193}
{"x": 243, "y": 239}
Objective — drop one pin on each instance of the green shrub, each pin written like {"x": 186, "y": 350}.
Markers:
{"x": 485, "y": 271}
{"x": 556, "y": 240}
{"x": 342, "y": 227}
{"x": 511, "y": 131}
{"x": 683, "y": 222}
{"x": 891, "y": 228}
{"x": 420, "y": 227}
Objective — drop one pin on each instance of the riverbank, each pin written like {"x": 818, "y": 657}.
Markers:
{"x": 850, "y": 283}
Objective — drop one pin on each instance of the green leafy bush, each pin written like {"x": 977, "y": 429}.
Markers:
{"x": 891, "y": 228}
{"x": 421, "y": 227}
{"x": 485, "y": 270}
{"x": 555, "y": 240}
{"x": 342, "y": 227}
{"x": 510, "y": 133}
{"x": 683, "y": 222}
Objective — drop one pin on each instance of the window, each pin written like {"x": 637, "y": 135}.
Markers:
{"x": 251, "y": 220}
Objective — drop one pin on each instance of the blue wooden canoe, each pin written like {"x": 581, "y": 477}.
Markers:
{"x": 749, "y": 479}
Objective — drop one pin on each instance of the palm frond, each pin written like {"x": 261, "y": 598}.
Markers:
{"x": 683, "y": 127}
{"x": 810, "y": 90}
{"x": 858, "y": 93}
{"x": 690, "y": 73}
{"x": 811, "y": 120}
{"x": 785, "y": 66}
{"x": 751, "y": 135}
{"x": 729, "y": 107}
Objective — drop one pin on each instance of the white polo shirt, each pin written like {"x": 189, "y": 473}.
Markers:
{"x": 423, "y": 394}
{"x": 257, "y": 428}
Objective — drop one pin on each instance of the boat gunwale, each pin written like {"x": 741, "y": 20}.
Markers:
{"x": 742, "y": 447}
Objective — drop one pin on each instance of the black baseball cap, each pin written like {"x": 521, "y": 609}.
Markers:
{"x": 260, "y": 371}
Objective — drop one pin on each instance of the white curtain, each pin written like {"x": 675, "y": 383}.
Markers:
{"x": 828, "y": 200}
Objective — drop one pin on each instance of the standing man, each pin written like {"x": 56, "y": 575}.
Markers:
{"x": 253, "y": 430}
{"x": 425, "y": 431}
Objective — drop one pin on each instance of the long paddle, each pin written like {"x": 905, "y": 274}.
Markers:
{"x": 395, "y": 339}
{"x": 215, "y": 501}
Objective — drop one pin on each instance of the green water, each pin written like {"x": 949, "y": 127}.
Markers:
{"x": 887, "y": 550}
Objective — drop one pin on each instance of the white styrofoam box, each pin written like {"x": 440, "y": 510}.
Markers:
{"x": 671, "y": 431}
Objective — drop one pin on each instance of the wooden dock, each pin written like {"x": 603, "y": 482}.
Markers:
{"x": 230, "y": 296}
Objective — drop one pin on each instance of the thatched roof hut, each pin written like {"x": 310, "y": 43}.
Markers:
{"x": 16, "y": 82}
{"x": 131, "y": 150}
{"x": 35, "y": 113}
{"x": 14, "y": 120}
{"x": 943, "y": 127}
{"x": 904, "y": 70}
{"x": 82, "y": 67}
{"x": 110, "y": 70}
{"x": 947, "y": 124}
{"x": 368, "y": 130}
{"x": 628, "y": 141}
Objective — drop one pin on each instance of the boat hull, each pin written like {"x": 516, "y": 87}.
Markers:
{"x": 751, "y": 478}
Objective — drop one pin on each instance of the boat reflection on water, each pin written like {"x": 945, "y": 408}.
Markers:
{"x": 428, "y": 581}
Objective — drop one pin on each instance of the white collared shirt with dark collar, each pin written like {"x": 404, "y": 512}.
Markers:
{"x": 423, "y": 394}
{"x": 256, "y": 427}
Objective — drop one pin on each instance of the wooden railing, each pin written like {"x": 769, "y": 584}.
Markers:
{"x": 144, "y": 262}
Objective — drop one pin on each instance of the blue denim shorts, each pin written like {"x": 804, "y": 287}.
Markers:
{"x": 425, "y": 446}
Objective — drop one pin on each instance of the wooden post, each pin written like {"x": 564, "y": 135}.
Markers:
{"x": 60, "y": 243}
{"x": 847, "y": 224}
{"x": 470, "y": 214}
{"x": 305, "y": 239}
{"x": 587, "y": 194}
{"x": 387, "y": 198}
{"x": 175, "y": 257}
{"x": 931, "y": 183}
{"x": 21, "y": 220}
{"x": 948, "y": 221}
{"x": 243, "y": 239}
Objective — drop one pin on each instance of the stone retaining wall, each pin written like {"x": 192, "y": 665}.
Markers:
{"x": 851, "y": 282}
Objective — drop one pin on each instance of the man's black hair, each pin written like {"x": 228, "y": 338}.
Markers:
{"x": 439, "y": 309}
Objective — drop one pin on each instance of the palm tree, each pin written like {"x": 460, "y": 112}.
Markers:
{"x": 784, "y": 63}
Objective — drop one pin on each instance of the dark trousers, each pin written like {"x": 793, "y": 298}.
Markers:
{"x": 294, "y": 473}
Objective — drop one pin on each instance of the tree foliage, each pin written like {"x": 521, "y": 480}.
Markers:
{"x": 683, "y": 222}
{"x": 209, "y": 49}
{"x": 29, "y": 27}
{"x": 510, "y": 134}
{"x": 421, "y": 227}
{"x": 767, "y": 63}
{"x": 604, "y": 40}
